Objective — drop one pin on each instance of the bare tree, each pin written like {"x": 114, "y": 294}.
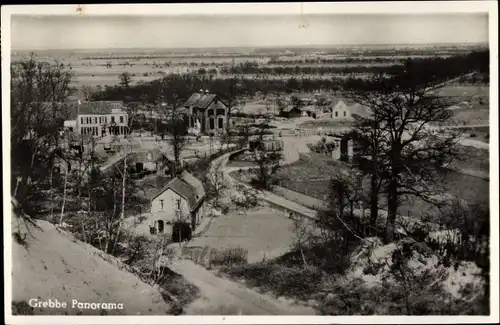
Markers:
{"x": 88, "y": 92}
{"x": 177, "y": 129}
{"x": 268, "y": 161}
{"x": 217, "y": 184}
{"x": 38, "y": 90}
{"x": 125, "y": 79}
{"x": 408, "y": 151}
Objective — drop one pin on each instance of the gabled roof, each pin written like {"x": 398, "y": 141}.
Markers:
{"x": 156, "y": 155}
{"x": 290, "y": 108}
{"x": 309, "y": 108}
{"x": 200, "y": 100}
{"x": 193, "y": 182}
{"x": 336, "y": 101}
{"x": 186, "y": 186}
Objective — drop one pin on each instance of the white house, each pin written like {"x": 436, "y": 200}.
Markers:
{"x": 181, "y": 199}
{"x": 340, "y": 110}
{"x": 98, "y": 119}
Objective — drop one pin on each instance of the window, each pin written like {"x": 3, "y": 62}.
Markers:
{"x": 112, "y": 119}
{"x": 81, "y": 120}
{"x": 178, "y": 204}
{"x": 221, "y": 123}
{"x": 345, "y": 114}
{"x": 212, "y": 122}
{"x": 336, "y": 114}
{"x": 95, "y": 120}
{"x": 121, "y": 119}
{"x": 161, "y": 203}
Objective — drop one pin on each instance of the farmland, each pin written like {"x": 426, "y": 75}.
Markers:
{"x": 308, "y": 176}
{"x": 101, "y": 68}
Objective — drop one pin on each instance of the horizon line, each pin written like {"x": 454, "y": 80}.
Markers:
{"x": 251, "y": 47}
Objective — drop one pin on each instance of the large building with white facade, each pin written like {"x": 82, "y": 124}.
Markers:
{"x": 99, "y": 119}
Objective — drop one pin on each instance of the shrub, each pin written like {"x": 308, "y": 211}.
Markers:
{"x": 181, "y": 231}
{"x": 229, "y": 256}
{"x": 294, "y": 282}
{"x": 22, "y": 308}
{"x": 354, "y": 298}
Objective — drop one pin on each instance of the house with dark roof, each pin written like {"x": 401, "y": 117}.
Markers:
{"x": 291, "y": 111}
{"x": 150, "y": 160}
{"x": 209, "y": 110}
{"x": 181, "y": 199}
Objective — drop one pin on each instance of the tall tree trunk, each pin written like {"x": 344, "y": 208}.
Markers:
{"x": 64, "y": 195}
{"x": 341, "y": 199}
{"x": 51, "y": 195}
{"x": 373, "y": 203}
{"x": 392, "y": 209}
{"x": 122, "y": 214}
{"x": 374, "y": 188}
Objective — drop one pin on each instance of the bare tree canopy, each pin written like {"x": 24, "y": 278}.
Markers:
{"x": 38, "y": 111}
{"x": 401, "y": 143}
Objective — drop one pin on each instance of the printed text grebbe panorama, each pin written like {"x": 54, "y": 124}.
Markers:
{"x": 35, "y": 303}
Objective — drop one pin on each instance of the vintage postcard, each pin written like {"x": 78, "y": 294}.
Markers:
{"x": 289, "y": 163}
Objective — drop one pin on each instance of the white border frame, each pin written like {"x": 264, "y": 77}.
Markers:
{"x": 297, "y": 8}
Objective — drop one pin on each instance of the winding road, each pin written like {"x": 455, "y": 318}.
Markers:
{"x": 220, "y": 296}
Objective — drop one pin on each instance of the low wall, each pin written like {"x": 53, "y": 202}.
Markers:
{"x": 307, "y": 201}
{"x": 287, "y": 210}
{"x": 236, "y": 153}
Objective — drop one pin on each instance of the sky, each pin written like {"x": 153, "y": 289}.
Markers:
{"x": 98, "y": 32}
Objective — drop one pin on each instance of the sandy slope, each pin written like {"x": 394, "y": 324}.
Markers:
{"x": 54, "y": 265}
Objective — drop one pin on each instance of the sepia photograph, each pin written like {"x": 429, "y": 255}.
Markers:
{"x": 286, "y": 159}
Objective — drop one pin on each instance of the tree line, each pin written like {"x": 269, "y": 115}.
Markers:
{"x": 437, "y": 68}
{"x": 451, "y": 66}
{"x": 335, "y": 60}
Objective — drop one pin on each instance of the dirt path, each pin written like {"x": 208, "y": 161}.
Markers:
{"x": 224, "y": 297}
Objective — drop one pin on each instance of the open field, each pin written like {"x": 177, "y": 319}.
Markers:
{"x": 478, "y": 133}
{"x": 326, "y": 123}
{"x": 463, "y": 91}
{"x": 102, "y": 67}
{"x": 307, "y": 176}
{"x": 246, "y": 231}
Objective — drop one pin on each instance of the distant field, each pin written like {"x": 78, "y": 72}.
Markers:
{"x": 89, "y": 66}
{"x": 329, "y": 123}
{"x": 471, "y": 116}
{"x": 466, "y": 91}
{"x": 310, "y": 176}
